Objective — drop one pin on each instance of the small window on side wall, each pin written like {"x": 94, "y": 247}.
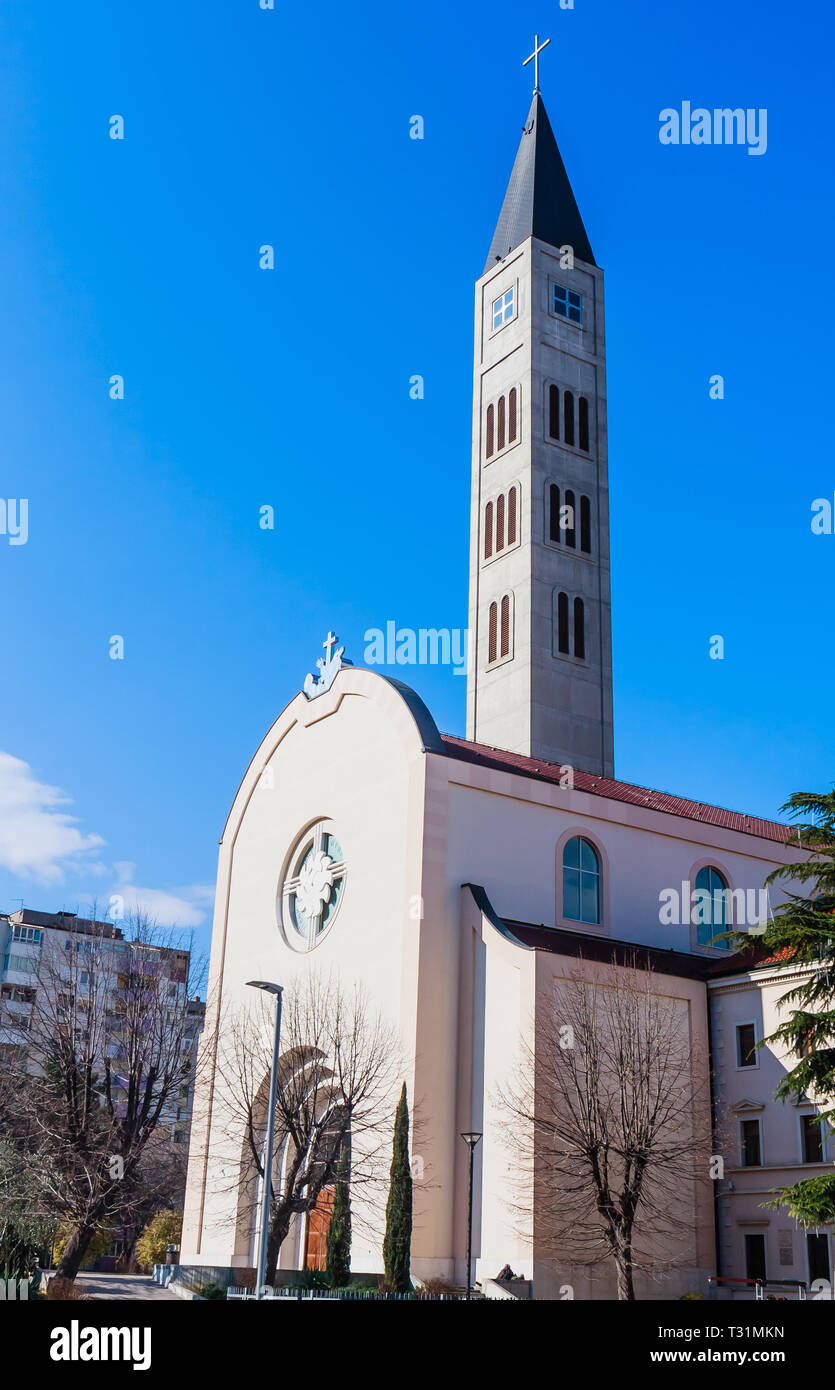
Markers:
{"x": 581, "y": 881}
{"x": 568, "y": 304}
{"x": 504, "y": 308}
{"x": 711, "y": 907}
{"x": 746, "y": 1045}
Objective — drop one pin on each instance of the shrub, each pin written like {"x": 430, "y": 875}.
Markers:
{"x": 164, "y": 1228}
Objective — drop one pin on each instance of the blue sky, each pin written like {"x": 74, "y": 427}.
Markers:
{"x": 290, "y": 388}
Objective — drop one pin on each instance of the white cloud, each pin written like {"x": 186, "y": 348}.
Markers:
{"x": 36, "y": 836}
{"x": 181, "y": 907}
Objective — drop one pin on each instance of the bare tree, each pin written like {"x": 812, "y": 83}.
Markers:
{"x": 108, "y": 1053}
{"x": 335, "y": 1089}
{"x": 609, "y": 1121}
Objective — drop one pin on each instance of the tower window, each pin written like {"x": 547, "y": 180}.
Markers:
{"x": 511, "y": 416}
{"x": 488, "y": 530}
{"x": 500, "y": 523}
{"x": 554, "y": 412}
{"x": 505, "y": 634}
{"x": 491, "y": 430}
{"x": 568, "y": 304}
{"x": 585, "y": 525}
{"x": 579, "y": 629}
{"x": 584, "y": 423}
{"x": 568, "y": 418}
{"x": 562, "y": 624}
{"x": 511, "y": 516}
{"x": 570, "y": 524}
{"x": 501, "y": 418}
{"x": 504, "y": 308}
{"x": 554, "y": 511}
{"x": 581, "y": 881}
{"x": 500, "y": 629}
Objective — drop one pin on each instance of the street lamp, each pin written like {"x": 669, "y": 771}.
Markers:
{"x": 470, "y": 1140}
{"x": 269, "y": 1139}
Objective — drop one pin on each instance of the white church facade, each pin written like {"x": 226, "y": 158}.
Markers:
{"x": 465, "y": 881}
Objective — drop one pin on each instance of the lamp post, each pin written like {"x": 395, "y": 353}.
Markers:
{"x": 470, "y": 1140}
{"x": 269, "y": 1139}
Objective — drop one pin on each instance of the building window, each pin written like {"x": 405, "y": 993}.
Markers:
{"x": 567, "y": 609}
{"x": 501, "y": 522}
{"x": 491, "y": 430}
{"x": 746, "y": 1045}
{"x": 569, "y": 526}
{"x": 503, "y": 308}
{"x": 313, "y": 887}
{"x": 554, "y": 412}
{"x": 584, "y": 423}
{"x": 511, "y": 516}
{"x": 812, "y": 1133}
{"x": 568, "y": 304}
{"x": 755, "y": 1257}
{"x": 500, "y": 629}
{"x": 554, "y": 513}
{"x": 568, "y": 417}
{"x": 500, "y": 431}
{"x": 505, "y": 634}
{"x": 32, "y": 934}
{"x": 581, "y": 881}
{"x": 711, "y": 915}
{"x": 502, "y": 423}
{"x": 817, "y": 1253}
{"x": 488, "y": 530}
{"x": 585, "y": 525}
{"x": 750, "y": 1143}
{"x": 562, "y": 624}
{"x": 511, "y": 416}
{"x": 579, "y": 629}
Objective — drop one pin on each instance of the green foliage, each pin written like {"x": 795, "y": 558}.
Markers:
{"x": 811, "y": 1202}
{"x": 99, "y": 1245}
{"x": 398, "y": 1239}
{"x": 164, "y": 1228}
{"x": 211, "y": 1292}
{"x": 802, "y": 932}
{"x": 338, "y": 1239}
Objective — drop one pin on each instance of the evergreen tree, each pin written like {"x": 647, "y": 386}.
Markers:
{"x": 398, "y": 1240}
{"x": 802, "y": 932}
{"x": 338, "y": 1239}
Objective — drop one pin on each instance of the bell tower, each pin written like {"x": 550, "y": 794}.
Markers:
{"x": 540, "y": 681}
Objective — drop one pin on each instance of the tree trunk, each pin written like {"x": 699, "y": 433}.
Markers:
{"x": 279, "y": 1227}
{"x": 626, "y": 1287}
{"x": 75, "y": 1250}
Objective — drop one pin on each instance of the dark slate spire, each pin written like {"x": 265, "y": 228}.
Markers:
{"x": 539, "y": 201}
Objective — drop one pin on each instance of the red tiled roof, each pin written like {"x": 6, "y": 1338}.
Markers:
{"x": 500, "y": 760}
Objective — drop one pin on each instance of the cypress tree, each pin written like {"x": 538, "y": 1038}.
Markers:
{"x": 338, "y": 1239}
{"x": 398, "y": 1240}
{"x": 802, "y": 932}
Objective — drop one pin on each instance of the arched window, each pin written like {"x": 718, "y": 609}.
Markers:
{"x": 491, "y": 430}
{"x": 570, "y": 519}
{"x": 581, "y": 881}
{"x": 488, "y": 530}
{"x": 511, "y": 515}
{"x": 554, "y": 512}
{"x": 554, "y": 412}
{"x": 511, "y": 416}
{"x": 501, "y": 413}
{"x": 500, "y": 524}
{"x": 562, "y": 624}
{"x": 584, "y": 423}
{"x": 492, "y": 634}
{"x": 579, "y": 629}
{"x": 568, "y": 418}
{"x": 585, "y": 525}
{"x": 711, "y": 906}
{"x": 505, "y": 646}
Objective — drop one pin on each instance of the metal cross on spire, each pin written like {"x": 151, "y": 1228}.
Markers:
{"x": 534, "y": 58}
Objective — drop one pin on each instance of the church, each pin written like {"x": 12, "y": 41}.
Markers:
{"x": 465, "y": 881}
